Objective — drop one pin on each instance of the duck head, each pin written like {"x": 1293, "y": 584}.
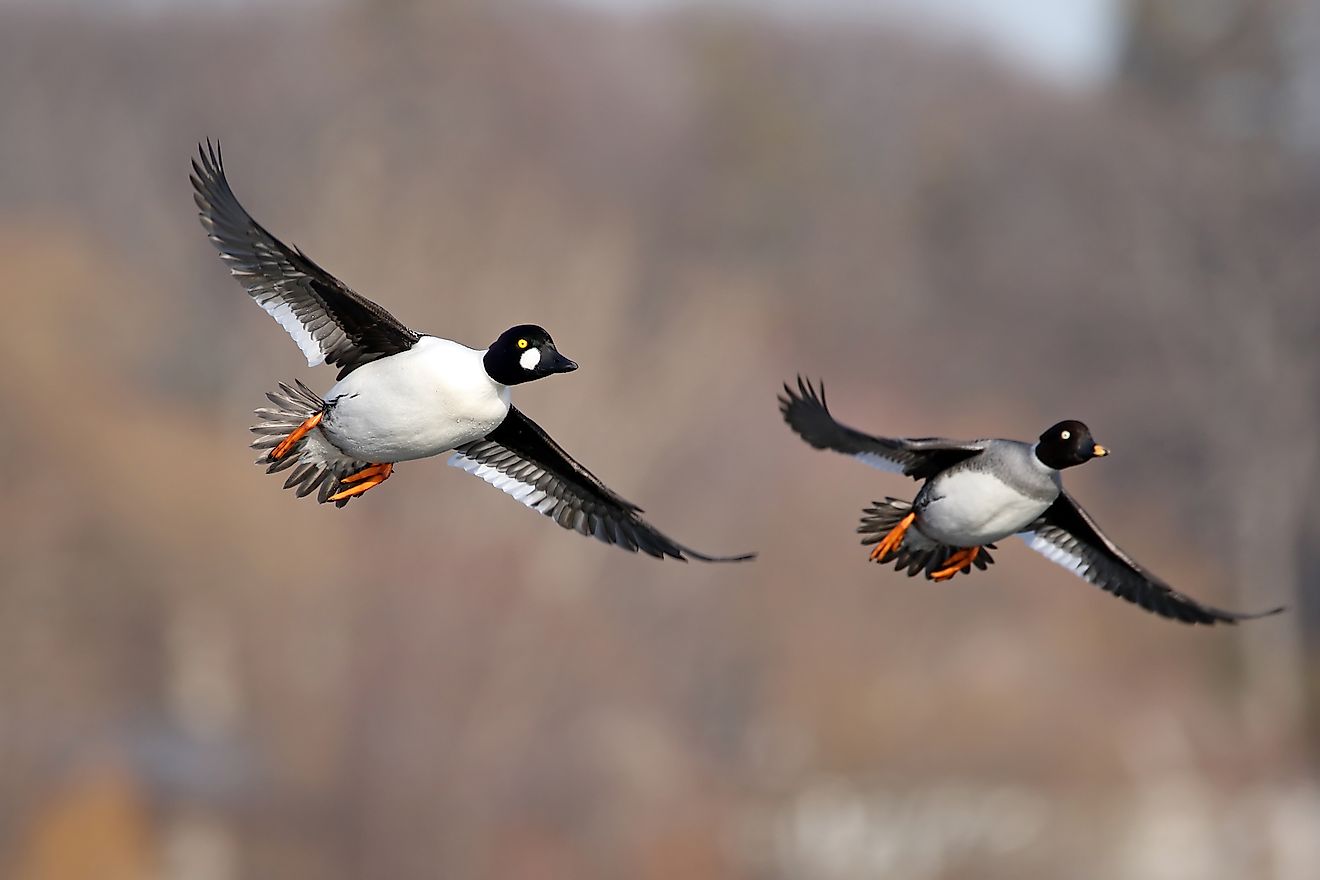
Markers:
{"x": 524, "y": 353}
{"x": 1067, "y": 444}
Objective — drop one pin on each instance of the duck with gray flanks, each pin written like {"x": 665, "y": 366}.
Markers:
{"x": 978, "y": 492}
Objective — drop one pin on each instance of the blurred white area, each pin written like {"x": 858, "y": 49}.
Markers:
{"x": 837, "y": 831}
{"x": 1179, "y": 829}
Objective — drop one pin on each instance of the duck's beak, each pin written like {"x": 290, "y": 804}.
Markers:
{"x": 557, "y": 363}
{"x": 1099, "y": 451}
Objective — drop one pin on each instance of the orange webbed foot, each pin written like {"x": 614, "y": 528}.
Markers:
{"x": 292, "y": 440}
{"x": 959, "y": 561}
{"x": 368, "y": 478}
{"x": 892, "y": 541}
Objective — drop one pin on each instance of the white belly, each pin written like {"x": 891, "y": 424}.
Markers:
{"x": 973, "y": 508}
{"x": 416, "y": 404}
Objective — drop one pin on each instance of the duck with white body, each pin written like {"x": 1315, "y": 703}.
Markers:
{"x": 403, "y": 395}
{"x": 419, "y": 403}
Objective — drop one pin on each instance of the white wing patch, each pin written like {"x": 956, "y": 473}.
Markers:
{"x": 283, "y": 312}
{"x": 528, "y": 494}
{"x": 1070, "y": 560}
{"x": 878, "y": 461}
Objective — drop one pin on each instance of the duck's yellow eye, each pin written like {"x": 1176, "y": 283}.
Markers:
{"x": 522, "y": 343}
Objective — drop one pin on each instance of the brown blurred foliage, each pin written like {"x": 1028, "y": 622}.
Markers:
{"x": 202, "y": 677}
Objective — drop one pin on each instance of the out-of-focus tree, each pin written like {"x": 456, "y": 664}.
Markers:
{"x": 1243, "y": 70}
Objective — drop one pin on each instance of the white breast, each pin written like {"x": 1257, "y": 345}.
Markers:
{"x": 422, "y": 402}
{"x": 974, "y": 507}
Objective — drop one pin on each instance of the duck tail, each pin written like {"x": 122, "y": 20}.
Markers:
{"x": 318, "y": 465}
{"x": 917, "y": 554}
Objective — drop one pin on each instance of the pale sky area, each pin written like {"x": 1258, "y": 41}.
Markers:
{"x": 1073, "y": 42}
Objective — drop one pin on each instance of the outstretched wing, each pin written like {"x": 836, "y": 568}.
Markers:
{"x": 520, "y": 459}
{"x": 919, "y": 458}
{"x": 330, "y": 323}
{"x": 1067, "y": 535}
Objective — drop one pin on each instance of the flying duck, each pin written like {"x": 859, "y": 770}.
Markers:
{"x": 403, "y": 395}
{"x": 981, "y": 491}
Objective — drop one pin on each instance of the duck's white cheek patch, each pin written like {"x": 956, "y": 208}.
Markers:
{"x": 530, "y": 358}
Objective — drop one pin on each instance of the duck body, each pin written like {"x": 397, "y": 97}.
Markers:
{"x": 986, "y": 498}
{"x": 415, "y": 404}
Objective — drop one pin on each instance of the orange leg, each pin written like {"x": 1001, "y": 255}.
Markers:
{"x": 368, "y": 478}
{"x": 298, "y": 433}
{"x": 894, "y": 539}
{"x": 956, "y": 563}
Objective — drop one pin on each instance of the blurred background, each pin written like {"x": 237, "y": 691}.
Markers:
{"x": 969, "y": 218}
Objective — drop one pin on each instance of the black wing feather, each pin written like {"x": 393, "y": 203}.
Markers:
{"x": 806, "y": 412}
{"x": 520, "y": 458}
{"x": 343, "y": 328}
{"x": 1068, "y": 535}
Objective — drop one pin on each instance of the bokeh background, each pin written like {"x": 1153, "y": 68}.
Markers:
{"x": 968, "y": 218}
